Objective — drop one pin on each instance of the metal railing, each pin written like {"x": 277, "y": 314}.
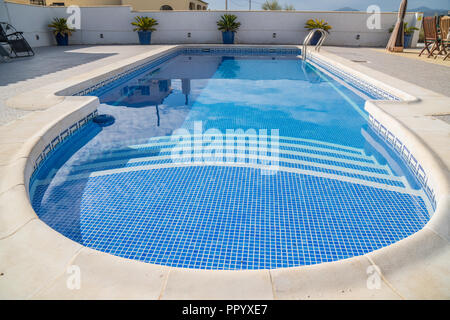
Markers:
{"x": 308, "y": 38}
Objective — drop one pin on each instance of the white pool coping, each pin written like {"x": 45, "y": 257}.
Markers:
{"x": 34, "y": 258}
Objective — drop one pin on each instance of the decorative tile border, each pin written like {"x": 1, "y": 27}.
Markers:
{"x": 243, "y": 51}
{"x": 57, "y": 141}
{"x": 366, "y": 87}
{"x": 406, "y": 155}
{"x": 128, "y": 74}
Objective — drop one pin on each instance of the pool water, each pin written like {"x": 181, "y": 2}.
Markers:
{"x": 305, "y": 181}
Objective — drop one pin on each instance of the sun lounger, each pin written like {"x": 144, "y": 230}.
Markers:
{"x": 15, "y": 40}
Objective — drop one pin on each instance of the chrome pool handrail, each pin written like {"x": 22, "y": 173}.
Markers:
{"x": 308, "y": 38}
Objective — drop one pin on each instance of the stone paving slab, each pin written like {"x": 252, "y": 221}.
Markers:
{"x": 430, "y": 76}
{"x": 53, "y": 64}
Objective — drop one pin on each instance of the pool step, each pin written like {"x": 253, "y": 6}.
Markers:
{"x": 287, "y": 142}
{"x": 286, "y": 145}
{"x": 289, "y": 154}
{"x": 321, "y": 158}
{"x": 268, "y": 170}
{"x": 299, "y": 141}
{"x": 368, "y": 163}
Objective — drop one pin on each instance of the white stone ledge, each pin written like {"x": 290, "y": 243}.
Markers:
{"x": 432, "y": 151}
{"x": 104, "y": 276}
{"x": 54, "y": 93}
{"x": 345, "y": 279}
{"x": 417, "y": 267}
{"x": 217, "y": 284}
{"x": 31, "y": 258}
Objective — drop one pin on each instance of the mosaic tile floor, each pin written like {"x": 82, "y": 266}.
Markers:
{"x": 230, "y": 216}
{"x": 324, "y": 187}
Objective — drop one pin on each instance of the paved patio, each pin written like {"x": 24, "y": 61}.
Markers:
{"x": 55, "y": 63}
{"x": 428, "y": 75}
{"x": 51, "y": 64}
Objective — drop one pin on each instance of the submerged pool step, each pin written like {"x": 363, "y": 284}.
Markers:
{"x": 289, "y": 153}
{"x": 260, "y": 139}
{"x": 289, "y": 156}
{"x": 283, "y": 142}
{"x": 297, "y": 140}
{"x": 403, "y": 188}
{"x": 371, "y": 174}
{"x": 279, "y": 145}
{"x": 165, "y": 143}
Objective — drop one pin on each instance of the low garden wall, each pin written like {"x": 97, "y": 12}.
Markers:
{"x": 111, "y": 25}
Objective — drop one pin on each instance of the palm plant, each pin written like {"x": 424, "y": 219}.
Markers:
{"x": 406, "y": 29}
{"x": 59, "y": 26}
{"x": 228, "y": 22}
{"x": 407, "y": 33}
{"x": 144, "y": 24}
{"x": 409, "y": 30}
{"x": 271, "y": 5}
{"x": 317, "y": 24}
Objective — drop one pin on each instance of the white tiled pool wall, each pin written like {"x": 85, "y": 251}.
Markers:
{"x": 406, "y": 155}
{"x": 365, "y": 86}
{"x": 65, "y": 128}
{"x": 55, "y": 136}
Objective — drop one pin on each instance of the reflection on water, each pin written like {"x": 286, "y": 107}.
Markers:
{"x": 98, "y": 189}
{"x": 229, "y": 68}
{"x": 226, "y": 92}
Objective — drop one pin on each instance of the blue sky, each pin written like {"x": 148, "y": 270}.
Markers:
{"x": 385, "y": 5}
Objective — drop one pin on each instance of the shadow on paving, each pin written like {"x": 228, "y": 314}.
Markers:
{"x": 47, "y": 60}
{"x": 433, "y": 77}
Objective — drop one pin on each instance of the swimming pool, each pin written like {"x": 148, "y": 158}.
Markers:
{"x": 226, "y": 160}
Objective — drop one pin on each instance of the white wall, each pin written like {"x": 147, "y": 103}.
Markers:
{"x": 3, "y": 12}
{"x": 33, "y": 21}
{"x": 257, "y": 27}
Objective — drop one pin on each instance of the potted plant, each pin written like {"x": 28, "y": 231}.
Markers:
{"x": 408, "y": 34}
{"x": 61, "y": 31}
{"x": 144, "y": 27}
{"x": 312, "y": 24}
{"x": 228, "y": 25}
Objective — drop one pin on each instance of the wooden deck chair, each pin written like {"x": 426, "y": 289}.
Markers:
{"x": 444, "y": 25}
{"x": 431, "y": 36}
